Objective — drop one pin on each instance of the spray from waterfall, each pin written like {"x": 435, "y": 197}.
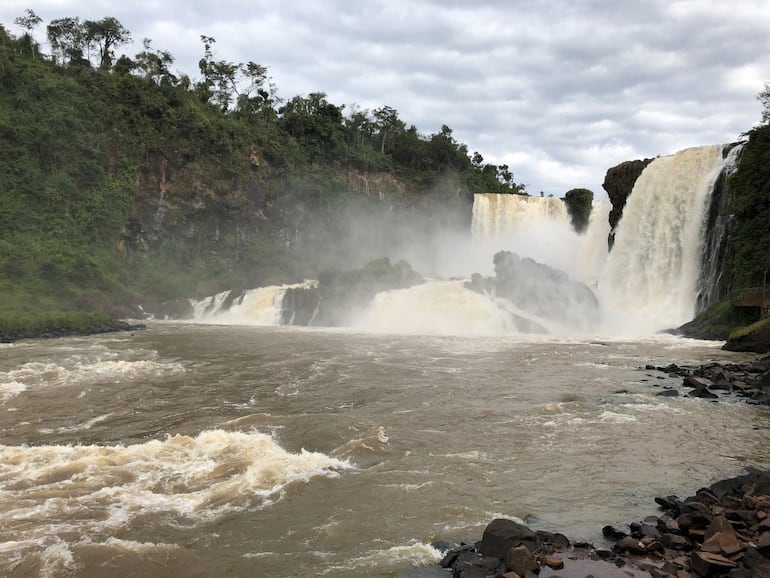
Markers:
{"x": 526, "y": 270}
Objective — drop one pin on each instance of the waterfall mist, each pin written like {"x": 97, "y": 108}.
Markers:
{"x": 518, "y": 265}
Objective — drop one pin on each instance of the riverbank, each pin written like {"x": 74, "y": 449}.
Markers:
{"x": 723, "y": 530}
{"x": 748, "y": 381}
{"x": 59, "y": 324}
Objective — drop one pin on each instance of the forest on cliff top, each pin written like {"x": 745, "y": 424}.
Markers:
{"x": 124, "y": 182}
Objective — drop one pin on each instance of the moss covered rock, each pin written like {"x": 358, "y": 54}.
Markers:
{"x": 754, "y": 338}
{"x": 579, "y": 203}
{"x": 619, "y": 182}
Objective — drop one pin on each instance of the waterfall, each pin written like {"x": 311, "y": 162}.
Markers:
{"x": 650, "y": 279}
{"x": 260, "y": 306}
{"x": 540, "y": 228}
{"x": 497, "y": 215}
{"x": 713, "y": 249}
{"x": 437, "y": 307}
{"x": 547, "y": 277}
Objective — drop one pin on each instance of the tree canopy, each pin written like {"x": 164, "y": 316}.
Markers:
{"x": 130, "y": 179}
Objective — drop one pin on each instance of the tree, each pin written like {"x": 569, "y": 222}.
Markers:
{"x": 224, "y": 82}
{"x": 107, "y": 34}
{"x": 154, "y": 63}
{"x": 66, "y": 38}
{"x": 388, "y": 124}
{"x": 764, "y": 98}
{"x": 28, "y": 22}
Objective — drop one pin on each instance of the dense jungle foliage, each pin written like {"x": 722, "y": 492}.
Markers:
{"x": 111, "y": 168}
{"x": 748, "y": 244}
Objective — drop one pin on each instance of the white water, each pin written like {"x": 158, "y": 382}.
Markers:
{"x": 260, "y": 306}
{"x": 646, "y": 284}
{"x": 650, "y": 280}
{"x": 60, "y": 489}
{"x": 498, "y": 216}
{"x": 538, "y": 228}
{"x": 437, "y": 308}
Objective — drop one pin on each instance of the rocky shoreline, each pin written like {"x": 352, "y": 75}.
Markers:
{"x": 723, "y": 530}
{"x": 9, "y": 336}
{"x": 748, "y": 381}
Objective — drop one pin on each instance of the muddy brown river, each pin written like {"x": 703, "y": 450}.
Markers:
{"x": 204, "y": 450}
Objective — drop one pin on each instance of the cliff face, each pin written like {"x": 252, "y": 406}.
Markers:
{"x": 260, "y": 226}
{"x": 179, "y": 206}
{"x": 747, "y": 253}
{"x": 619, "y": 182}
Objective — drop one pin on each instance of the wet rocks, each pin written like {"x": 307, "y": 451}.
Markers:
{"x": 749, "y": 381}
{"x": 723, "y": 530}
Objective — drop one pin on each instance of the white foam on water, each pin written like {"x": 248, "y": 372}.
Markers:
{"x": 86, "y": 425}
{"x": 73, "y": 371}
{"x": 91, "y": 490}
{"x": 57, "y": 560}
{"x": 138, "y": 547}
{"x": 11, "y": 389}
{"x": 415, "y": 553}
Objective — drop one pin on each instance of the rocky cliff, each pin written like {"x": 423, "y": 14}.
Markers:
{"x": 619, "y": 182}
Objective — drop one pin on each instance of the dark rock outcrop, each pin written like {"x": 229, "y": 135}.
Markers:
{"x": 754, "y": 339}
{"x": 300, "y": 305}
{"x": 344, "y": 294}
{"x": 619, "y": 182}
{"x": 113, "y": 326}
{"x": 749, "y": 381}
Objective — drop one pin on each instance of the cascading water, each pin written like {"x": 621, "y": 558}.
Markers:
{"x": 497, "y": 216}
{"x": 538, "y": 228}
{"x": 436, "y": 307}
{"x": 650, "y": 280}
{"x": 713, "y": 248}
{"x": 260, "y": 306}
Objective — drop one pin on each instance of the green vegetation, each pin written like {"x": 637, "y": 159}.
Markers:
{"x": 123, "y": 183}
{"x": 20, "y": 325}
{"x": 579, "y": 204}
{"x": 752, "y": 338}
{"x": 718, "y": 321}
{"x": 748, "y": 245}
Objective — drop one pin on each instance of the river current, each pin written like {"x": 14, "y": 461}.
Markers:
{"x": 205, "y": 450}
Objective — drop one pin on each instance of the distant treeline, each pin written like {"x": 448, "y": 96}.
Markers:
{"x": 121, "y": 181}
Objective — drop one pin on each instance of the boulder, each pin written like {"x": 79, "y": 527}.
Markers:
{"x": 520, "y": 560}
{"x": 720, "y": 538}
{"x": 502, "y": 534}
{"x": 708, "y": 564}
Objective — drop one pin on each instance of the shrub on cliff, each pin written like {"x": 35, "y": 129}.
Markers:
{"x": 579, "y": 203}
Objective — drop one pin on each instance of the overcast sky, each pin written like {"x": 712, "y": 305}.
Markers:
{"x": 558, "y": 90}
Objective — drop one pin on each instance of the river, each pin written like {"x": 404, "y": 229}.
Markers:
{"x": 207, "y": 450}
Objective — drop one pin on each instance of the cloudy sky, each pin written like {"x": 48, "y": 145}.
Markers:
{"x": 558, "y": 90}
